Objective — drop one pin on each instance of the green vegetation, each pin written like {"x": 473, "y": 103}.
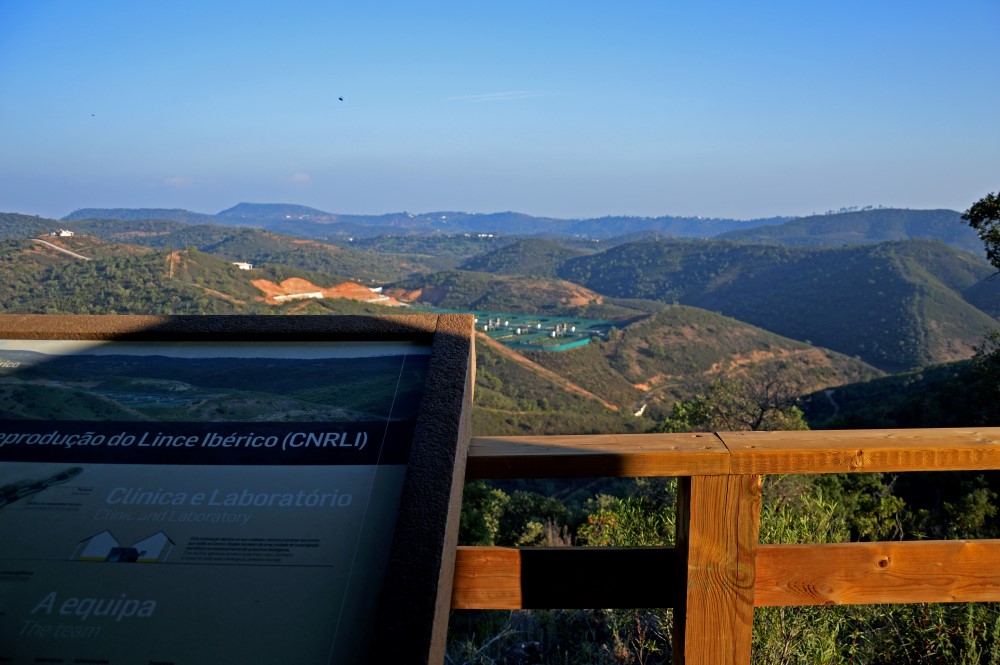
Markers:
{"x": 178, "y": 389}
{"x": 894, "y": 305}
{"x": 451, "y": 249}
{"x": 795, "y": 509}
{"x": 948, "y": 395}
{"x": 763, "y": 404}
{"x": 13, "y": 225}
{"x": 37, "y": 402}
{"x": 984, "y": 217}
{"x": 513, "y": 399}
{"x": 677, "y": 352}
{"x": 125, "y": 279}
{"x": 262, "y": 248}
{"x": 589, "y": 367}
{"x": 535, "y": 257}
{"x": 479, "y": 291}
{"x": 864, "y": 227}
{"x": 140, "y": 214}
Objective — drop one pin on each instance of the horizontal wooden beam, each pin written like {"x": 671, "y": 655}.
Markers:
{"x": 734, "y": 453}
{"x": 942, "y": 571}
{"x": 850, "y": 451}
{"x": 597, "y": 456}
{"x": 507, "y": 578}
{"x": 786, "y": 575}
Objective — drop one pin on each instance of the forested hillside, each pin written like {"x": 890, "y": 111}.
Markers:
{"x": 263, "y": 248}
{"x": 845, "y": 227}
{"x": 140, "y": 214}
{"x": 895, "y": 305}
{"x": 321, "y": 225}
{"x": 534, "y": 257}
{"x": 451, "y": 249}
{"x": 865, "y": 227}
{"x": 127, "y": 279}
{"x": 679, "y": 351}
{"x": 456, "y": 289}
{"x": 13, "y": 225}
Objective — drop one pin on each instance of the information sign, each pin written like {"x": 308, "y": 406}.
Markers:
{"x": 171, "y": 497}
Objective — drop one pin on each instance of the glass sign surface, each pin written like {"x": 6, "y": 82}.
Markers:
{"x": 199, "y": 502}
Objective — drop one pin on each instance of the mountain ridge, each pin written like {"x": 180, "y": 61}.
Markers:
{"x": 867, "y": 226}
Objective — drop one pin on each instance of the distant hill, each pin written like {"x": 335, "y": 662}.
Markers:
{"x": 317, "y": 224}
{"x": 515, "y": 395}
{"x": 830, "y": 230}
{"x": 261, "y": 214}
{"x": 456, "y": 289}
{"x": 312, "y": 223}
{"x": 600, "y": 387}
{"x": 679, "y": 350}
{"x": 127, "y": 279}
{"x": 866, "y": 227}
{"x": 674, "y": 270}
{"x": 947, "y": 395}
{"x": 116, "y": 279}
{"x": 444, "y": 250}
{"x": 680, "y": 227}
{"x": 135, "y": 214}
{"x": 895, "y": 305}
{"x": 147, "y": 232}
{"x": 985, "y": 295}
{"x": 535, "y": 257}
{"x": 261, "y": 247}
{"x": 14, "y": 225}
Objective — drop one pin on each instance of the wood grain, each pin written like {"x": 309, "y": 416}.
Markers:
{"x": 851, "y": 451}
{"x": 719, "y": 571}
{"x": 785, "y": 575}
{"x": 598, "y": 456}
{"x": 717, "y": 518}
{"x": 862, "y": 573}
{"x": 738, "y": 453}
{"x": 487, "y": 578}
{"x": 563, "y": 578}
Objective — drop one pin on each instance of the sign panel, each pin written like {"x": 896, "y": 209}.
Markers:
{"x": 197, "y": 501}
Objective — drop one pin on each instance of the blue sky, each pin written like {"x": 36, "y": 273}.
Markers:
{"x": 582, "y": 109}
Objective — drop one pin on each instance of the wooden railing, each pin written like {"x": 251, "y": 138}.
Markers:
{"x": 718, "y": 572}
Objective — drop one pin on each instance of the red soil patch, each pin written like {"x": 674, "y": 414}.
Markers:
{"x": 296, "y": 286}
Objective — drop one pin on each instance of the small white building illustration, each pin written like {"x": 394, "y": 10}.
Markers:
{"x": 104, "y": 547}
{"x": 155, "y": 548}
{"x": 97, "y": 547}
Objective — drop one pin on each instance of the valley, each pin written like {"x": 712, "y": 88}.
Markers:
{"x": 577, "y": 332}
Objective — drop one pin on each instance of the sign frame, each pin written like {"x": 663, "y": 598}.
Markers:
{"x": 415, "y": 599}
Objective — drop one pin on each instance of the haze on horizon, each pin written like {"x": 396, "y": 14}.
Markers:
{"x": 717, "y": 109}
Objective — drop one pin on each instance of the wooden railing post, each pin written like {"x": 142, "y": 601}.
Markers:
{"x": 717, "y": 524}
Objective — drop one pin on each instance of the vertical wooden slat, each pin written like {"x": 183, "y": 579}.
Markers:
{"x": 717, "y": 525}
{"x": 748, "y": 488}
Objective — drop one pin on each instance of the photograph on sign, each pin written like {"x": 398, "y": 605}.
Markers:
{"x": 195, "y": 502}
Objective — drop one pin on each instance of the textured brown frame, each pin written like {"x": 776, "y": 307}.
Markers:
{"x": 414, "y": 603}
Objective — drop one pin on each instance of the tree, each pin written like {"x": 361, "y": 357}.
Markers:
{"x": 984, "y": 217}
{"x": 764, "y": 402}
